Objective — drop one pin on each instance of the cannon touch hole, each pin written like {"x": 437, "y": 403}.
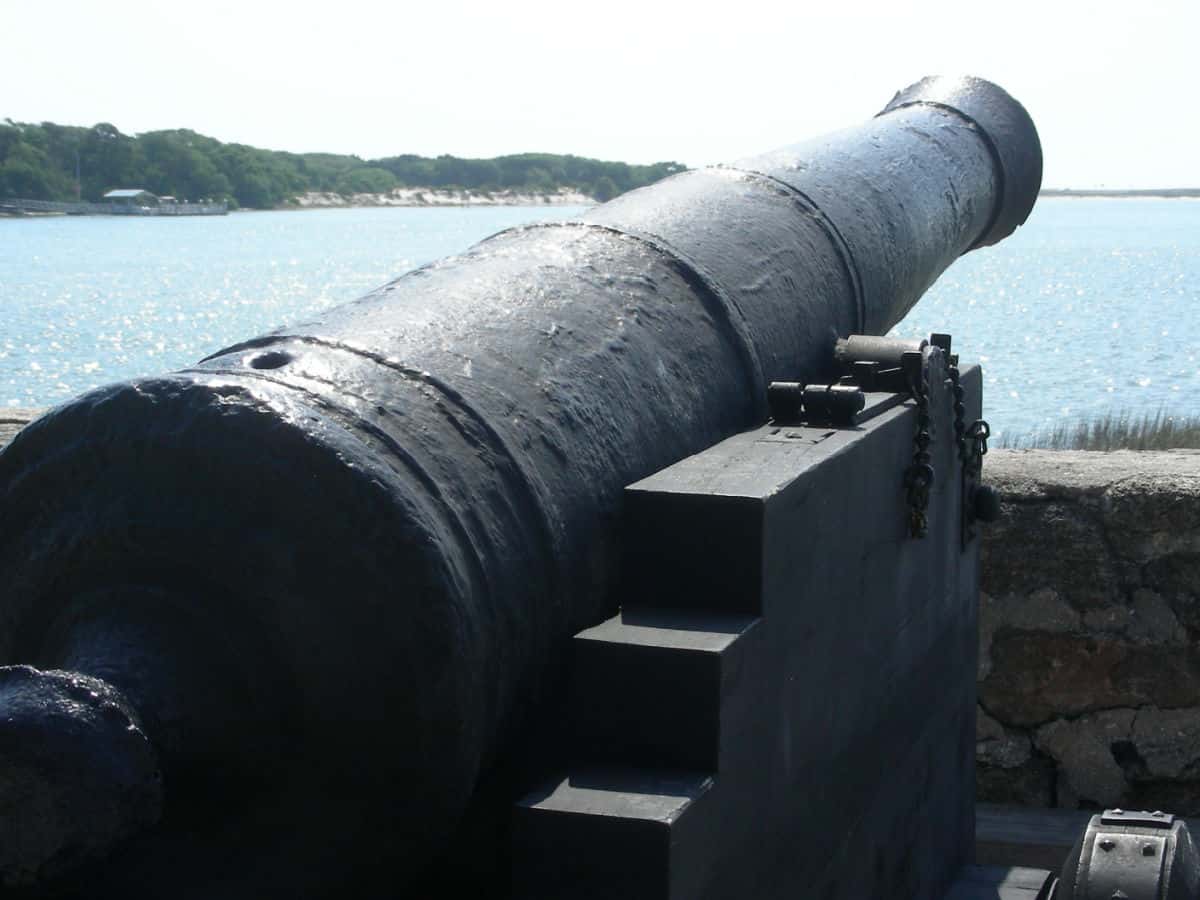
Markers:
{"x": 272, "y": 359}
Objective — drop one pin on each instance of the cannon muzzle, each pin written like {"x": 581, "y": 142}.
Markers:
{"x": 327, "y": 575}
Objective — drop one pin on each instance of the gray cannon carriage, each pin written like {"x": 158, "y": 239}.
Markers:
{"x": 593, "y": 562}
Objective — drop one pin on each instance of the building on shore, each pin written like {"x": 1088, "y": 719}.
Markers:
{"x": 131, "y": 197}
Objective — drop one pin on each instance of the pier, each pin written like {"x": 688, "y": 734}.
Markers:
{"x": 62, "y": 208}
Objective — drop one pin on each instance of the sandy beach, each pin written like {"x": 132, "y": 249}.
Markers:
{"x": 429, "y": 197}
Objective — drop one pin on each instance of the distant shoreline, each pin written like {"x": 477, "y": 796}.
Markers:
{"x": 429, "y": 197}
{"x": 416, "y": 197}
{"x": 1148, "y": 194}
{"x": 438, "y": 198}
{"x": 408, "y": 198}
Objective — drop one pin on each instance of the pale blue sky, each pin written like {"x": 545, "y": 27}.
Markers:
{"x": 1113, "y": 87}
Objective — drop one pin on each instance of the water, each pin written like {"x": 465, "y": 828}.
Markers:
{"x": 91, "y": 300}
{"x": 1093, "y": 307}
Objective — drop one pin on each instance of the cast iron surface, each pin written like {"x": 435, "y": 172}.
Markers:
{"x": 1132, "y": 855}
{"x": 384, "y": 524}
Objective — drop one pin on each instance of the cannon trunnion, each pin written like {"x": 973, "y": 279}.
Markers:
{"x": 309, "y": 599}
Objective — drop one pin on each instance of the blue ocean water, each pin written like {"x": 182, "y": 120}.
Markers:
{"x": 1093, "y": 306}
{"x": 91, "y": 300}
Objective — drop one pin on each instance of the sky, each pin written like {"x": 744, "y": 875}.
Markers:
{"x": 1112, "y": 87}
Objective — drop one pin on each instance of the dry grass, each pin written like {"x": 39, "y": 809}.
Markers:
{"x": 1121, "y": 431}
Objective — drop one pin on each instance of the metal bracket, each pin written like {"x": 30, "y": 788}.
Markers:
{"x": 876, "y": 365}
{"x": 1132, "y": 856}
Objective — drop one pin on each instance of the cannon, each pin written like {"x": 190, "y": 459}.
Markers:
{"x": 283, "y": 621}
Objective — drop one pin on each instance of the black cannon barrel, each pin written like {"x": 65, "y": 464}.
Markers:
{"x": 338, "y": 563}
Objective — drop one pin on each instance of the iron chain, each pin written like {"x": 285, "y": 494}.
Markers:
{"x": 970, "y": 443}
{"x": 920, "y": 475}
{"x": 958, "y": 394}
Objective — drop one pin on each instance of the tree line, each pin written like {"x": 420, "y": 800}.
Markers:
{"x": 62, "y": 162}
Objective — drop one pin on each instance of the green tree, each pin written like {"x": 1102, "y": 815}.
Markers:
{"x": 108, "y": 160}
{"x": 604, "y": 189}
{"x": 38, "y": 162}
{"x": 28, "y": 174}
{"x": 539, "y": 179}
{"x": 366, "y": 180}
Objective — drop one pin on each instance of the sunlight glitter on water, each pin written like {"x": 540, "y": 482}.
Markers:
{"x": 1091, "y": 307}
{"x": 87, "y": 301}
{"x": 1094, "y": 306}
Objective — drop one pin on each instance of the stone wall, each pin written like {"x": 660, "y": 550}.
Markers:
{"x": 1089, "y": 668}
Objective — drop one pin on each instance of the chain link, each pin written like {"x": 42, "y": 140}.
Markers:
{"x": 958, "y": 396}
{"x": 918, "y": 479}
{"x": 978, "y": 434}
{"x": 970, "y": 443}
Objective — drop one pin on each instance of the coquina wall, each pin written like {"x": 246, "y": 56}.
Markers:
{"x": 1089, "y": 662}
{"x": 1089, "y": 668}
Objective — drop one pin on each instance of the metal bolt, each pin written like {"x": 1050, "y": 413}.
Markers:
{"x": 1147, "y": 849}
{"x": 1106, "y": 844}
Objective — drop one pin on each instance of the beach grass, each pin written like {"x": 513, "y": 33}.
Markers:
{"x": 1116, "y": 431}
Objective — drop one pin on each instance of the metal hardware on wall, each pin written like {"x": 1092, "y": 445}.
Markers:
{"x": 873, "y": 363}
